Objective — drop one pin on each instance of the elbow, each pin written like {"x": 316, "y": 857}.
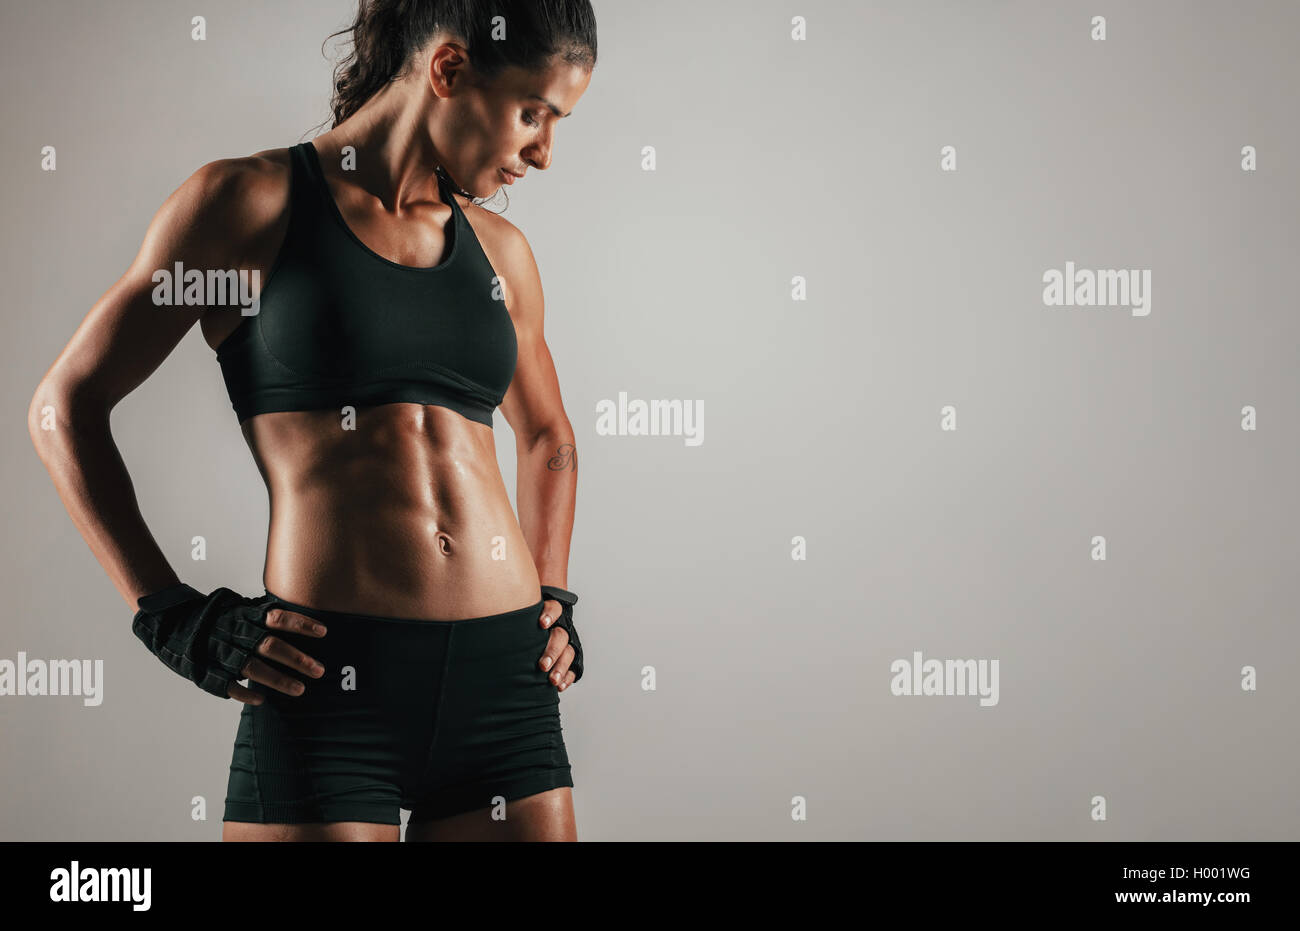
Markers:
{"x": 40, "y": 414}
{"x": 55, "y": 406}
{"x": 43, "y": 416}
{"x": 553, "y": 433}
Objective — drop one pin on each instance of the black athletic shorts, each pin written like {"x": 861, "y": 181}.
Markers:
{"x": 436, "y": 717}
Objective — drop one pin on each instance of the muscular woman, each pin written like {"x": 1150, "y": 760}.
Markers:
{"x": 414, "y": 635}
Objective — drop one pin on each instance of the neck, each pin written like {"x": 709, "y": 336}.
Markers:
{"x": 395, "y": 159}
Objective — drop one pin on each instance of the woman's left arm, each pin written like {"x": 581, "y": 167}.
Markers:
{"x": 546, "y": 452}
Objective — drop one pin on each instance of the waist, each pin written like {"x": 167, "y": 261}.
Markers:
{"x": 398, "y": 662}
{"x": 392, "y": 559}
{"x": 406, "y": 515}
{"x": 354, "y": 623}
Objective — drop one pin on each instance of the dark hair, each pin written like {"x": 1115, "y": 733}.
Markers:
{"x": 386, "y": 34}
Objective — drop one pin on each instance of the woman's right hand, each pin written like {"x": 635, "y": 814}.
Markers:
{"x": 278, "y": 649}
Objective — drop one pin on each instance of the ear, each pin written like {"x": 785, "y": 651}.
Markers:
{"x": 444, "y": 66}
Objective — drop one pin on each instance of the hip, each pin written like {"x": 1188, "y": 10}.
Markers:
{"x": 433, "y": 716}
{"x": 396, "y": 666}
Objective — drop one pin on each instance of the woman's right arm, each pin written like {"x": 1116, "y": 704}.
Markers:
{"x": 226, "y": 215}
{"x": 230, "y": 214}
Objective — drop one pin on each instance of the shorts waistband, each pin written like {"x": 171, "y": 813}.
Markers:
{"x": 533, "y": 611}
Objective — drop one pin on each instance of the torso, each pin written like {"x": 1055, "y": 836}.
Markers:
{"x": 407, "y": 515}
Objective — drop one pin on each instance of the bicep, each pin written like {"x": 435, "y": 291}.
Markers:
{"x": 132, "y": 328}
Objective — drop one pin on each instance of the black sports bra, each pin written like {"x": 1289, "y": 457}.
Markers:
{"x": 341, "y": 325}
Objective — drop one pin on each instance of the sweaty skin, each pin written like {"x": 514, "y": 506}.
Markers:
{"x": 403, "y": 514}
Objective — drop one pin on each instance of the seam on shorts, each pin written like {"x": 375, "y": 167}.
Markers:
{"x": 314, "y": 798}
{"x": 423, "y": 779}
{"x": 252, "y": 752}
{"x": 291, "y": 739}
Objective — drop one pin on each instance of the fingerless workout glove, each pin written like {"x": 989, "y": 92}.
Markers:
{"x": 205, "y": 638}
{"x": 567, "y": 600}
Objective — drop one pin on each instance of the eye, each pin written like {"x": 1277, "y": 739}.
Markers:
{"x": 528, "y": 119}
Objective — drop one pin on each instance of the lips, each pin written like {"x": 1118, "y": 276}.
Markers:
{"x": 510, "y": 176}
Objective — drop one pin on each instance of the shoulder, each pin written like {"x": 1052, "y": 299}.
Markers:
{"x": 247, "y": 191}
{"x": 242, "y": 172}
{"x": 504, "y": 244}
{"x": 228, "y": 211}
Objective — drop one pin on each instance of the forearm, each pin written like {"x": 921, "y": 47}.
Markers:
{"x": 546, "y": 491}
{"x": 93, "y": 483}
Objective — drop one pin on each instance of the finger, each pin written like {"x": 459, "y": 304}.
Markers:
{"x": 257, "y": 671}
{"x": 246, "y": 695}
{"x": 568, "y": 681}
{"x": 282, "y": 619}
{"x": 554, "y": 647}
{"x": 283, "y": 653}
{"x": 561, "y": 666}
{"x": 550, "y": 612}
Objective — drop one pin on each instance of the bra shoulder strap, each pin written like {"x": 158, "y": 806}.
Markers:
{"x": 308, "y": 183}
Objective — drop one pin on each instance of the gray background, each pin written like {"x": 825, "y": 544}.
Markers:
{"x": 775, "y": 158}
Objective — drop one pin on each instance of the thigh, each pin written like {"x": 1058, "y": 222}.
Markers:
{"x": 335, "y": 831}
{"x": 545, "y": 816}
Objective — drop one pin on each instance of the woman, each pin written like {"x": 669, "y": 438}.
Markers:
{"x": 414, "y": 634}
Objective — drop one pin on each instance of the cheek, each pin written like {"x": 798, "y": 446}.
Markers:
{"x": 473, "y": 132}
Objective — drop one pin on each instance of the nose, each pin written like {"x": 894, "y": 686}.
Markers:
{"x": 539, "y": 158}
{"x": 539, "y": 154}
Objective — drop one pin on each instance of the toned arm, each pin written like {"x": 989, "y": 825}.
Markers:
{"x": 226, "y": 215}
{"x": 547, "y": 483}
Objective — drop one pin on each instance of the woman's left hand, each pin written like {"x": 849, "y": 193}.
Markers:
{"x": 558, "y": 654}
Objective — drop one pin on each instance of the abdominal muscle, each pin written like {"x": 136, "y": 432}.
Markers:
{"x": 405, "y": 515}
